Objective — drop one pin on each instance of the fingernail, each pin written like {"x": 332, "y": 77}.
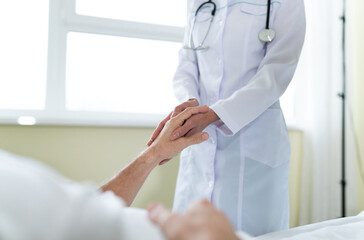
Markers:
{"x": 175, "y": 135}
{"x": 205, "y": 136}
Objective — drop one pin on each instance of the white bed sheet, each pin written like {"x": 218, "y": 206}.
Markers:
{"x": 349, "y": 228}
{"x": 137, "y": 226}
{"x": 47, "y": 193}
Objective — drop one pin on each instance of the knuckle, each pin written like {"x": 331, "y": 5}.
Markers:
{"x": 188, "y": 125}
{"x": 194, "y": 102}
{"x": 188, "y": 109}
{"x": 177, "y": 109}
{"x": 172, "y": 121}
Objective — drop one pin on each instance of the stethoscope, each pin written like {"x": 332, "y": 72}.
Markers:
{"x": 266, "y": 35}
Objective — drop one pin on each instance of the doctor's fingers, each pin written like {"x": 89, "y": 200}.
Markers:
{"x": 190, "y": 127}
{"x": 194, "y": 139}
{"x": 158, "y": 130}
{"x": 186, "y": 114}
{"x": 180, "y": 108}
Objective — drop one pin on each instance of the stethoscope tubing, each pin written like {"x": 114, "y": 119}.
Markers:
{"x": 203, "y": 4}
{"x": 268, "y": 15}
{"x": 267, "y": 35}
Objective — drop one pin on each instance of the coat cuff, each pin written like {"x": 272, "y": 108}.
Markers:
{"x": 226, "y": 125}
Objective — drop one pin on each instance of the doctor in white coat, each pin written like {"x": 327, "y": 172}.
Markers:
{"x": 243, "y": 168}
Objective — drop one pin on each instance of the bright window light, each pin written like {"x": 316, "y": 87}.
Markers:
{"x": 288, "y": 102}
{"x": 23, "y": 54}
{"x": 117, "y": 74}
{"x": 27, "y": 120}
{"x": 165, "y": 12}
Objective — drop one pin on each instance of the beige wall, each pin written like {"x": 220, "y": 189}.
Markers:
{"x": 296, "y": 138}
{"x": 356, "y": 73}
{"x": 91, "y": 153}
{"x": 96, "y": 153}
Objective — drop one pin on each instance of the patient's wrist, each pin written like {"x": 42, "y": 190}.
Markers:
{"x": 152, "y": 155}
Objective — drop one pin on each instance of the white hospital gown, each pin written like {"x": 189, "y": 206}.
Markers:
{"x": 36, "y": 203}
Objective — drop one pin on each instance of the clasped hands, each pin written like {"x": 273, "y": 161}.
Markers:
{"x": 201, "y": 221}
{"x": 194, "y": 124}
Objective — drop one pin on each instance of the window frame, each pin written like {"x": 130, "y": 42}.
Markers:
{"x": 62, "y": 20}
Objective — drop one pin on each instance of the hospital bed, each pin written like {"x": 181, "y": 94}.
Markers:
{"x": 337, "y": 229}
{"x": 349, "y": 228}
{"x": 43, "y": 189}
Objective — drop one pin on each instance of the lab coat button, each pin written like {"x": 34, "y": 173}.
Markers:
{"x": 221, "y": 23}
{"x": 212, "y": 140}
{"x": 211, "y": 184}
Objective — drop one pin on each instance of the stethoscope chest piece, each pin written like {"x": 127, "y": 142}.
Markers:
{"x": 267, "y": 35}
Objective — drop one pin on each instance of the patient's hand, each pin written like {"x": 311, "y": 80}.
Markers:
{"x": 177, "y": 110}
{"x": 196, "y": 123}
{"x": 201, "y": 221}
{"x": 129, "y": 180}
{"x": 166, "y": 148}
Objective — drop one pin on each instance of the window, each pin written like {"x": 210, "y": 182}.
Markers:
{"x": 103, "y": 62}
{"x": 139, "y": 11}
{"x": 96, "y": 62}
{"x": 117, "y": 74}
{"x": 23, "y": 57}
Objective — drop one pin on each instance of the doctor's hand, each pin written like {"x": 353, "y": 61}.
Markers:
{"x": 165, "y": 148}
{"x": 127, "y": 183}
{"x": 196, "y": 123}
{"x": 201, "y": 221}
{"x": 177, "y": 110}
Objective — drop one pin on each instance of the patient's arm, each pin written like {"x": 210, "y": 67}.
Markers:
{"x": 127, "y": 183}
{"x": 201, "y": 221}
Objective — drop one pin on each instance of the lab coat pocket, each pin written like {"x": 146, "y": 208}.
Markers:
{"x": 254, "y": 9}
{"x": 266, "y": 139}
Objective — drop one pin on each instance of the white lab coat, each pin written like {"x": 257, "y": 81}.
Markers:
{"x": 243, "y": 167}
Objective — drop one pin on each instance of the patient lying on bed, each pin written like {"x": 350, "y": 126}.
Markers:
{"x": 37, "y": 203}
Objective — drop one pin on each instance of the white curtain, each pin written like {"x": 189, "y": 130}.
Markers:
{"x": 317, "y": 82}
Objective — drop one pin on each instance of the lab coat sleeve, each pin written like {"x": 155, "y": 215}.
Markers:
{"x": 274, "y": 73}
{"x": 185, "y": 81}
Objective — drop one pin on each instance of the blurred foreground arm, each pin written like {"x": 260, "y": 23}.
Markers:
{"x": 127, "y": 183}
